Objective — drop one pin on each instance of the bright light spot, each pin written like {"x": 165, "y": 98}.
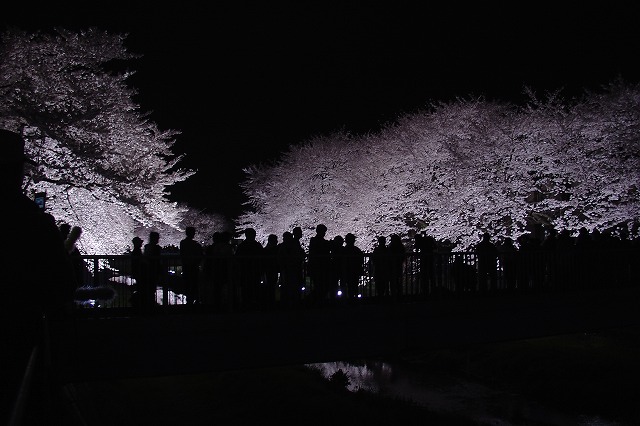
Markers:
{"x": 339, "y": 293}
{"x": 172, "y": 298}
{"x": 89, "y": 303}
{"x": 123, "y": 280}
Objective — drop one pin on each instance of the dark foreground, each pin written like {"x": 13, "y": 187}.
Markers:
{"x": 594, "y": 375}
{"x": 280, "y": 396}
{"x": 591, "y": 377}
{"x": 107, "y": 345}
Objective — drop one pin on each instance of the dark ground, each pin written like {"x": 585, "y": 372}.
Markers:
{"x": 593, "y": 374}
{"x": 280, "y": 396}
{"x": 588, "y": 374}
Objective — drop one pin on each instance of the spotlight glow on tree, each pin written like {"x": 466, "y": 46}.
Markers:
{"x": 103, "y": 165}
{"x": 461, "y": 168}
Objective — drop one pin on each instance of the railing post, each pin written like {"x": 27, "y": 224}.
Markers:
{"x": 96, "y": 269}
{"x": 165, "y": 294}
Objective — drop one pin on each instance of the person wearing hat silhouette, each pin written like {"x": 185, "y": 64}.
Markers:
{"x": 136, "y": 269}
{"x": 37, "y": 284}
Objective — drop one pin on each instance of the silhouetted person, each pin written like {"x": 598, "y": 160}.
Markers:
{"x": 320, "y": 264}
{"x": 249, "y": 268}
{"x": 218, "y": 272}
{"x": 191, "y": 253}
{"x": 71, "y": 245}
{"x": 291, "y": 259}
{"x": 297, "y": 236}
{"x": 137, "y": 272}
{"x": 337, "y": 265}
{"x": 397, "y": 254}
{"x": 271, "y": 270}
{"x": 487, "y": 255}
{"x": 37, "y": 281}
{"x": 353, "y": 266}
{"x": 380, "y": 264}
{"x": 154, "y": 271}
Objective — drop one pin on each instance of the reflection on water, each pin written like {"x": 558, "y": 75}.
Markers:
{"x": 368, "y": 377}
{"x": 447, "y": 394}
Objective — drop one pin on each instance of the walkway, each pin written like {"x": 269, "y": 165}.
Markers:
{"x": 183, "y": 343}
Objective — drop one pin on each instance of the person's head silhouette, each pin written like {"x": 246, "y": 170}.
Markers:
{"x": 190, "y": 231}
{"x": 154, "y": 237}
{"x": 321, "y": 230}
{"x": 297, "y": 232}
{"x": 350, "y": 239}
{"x": 137, "y": 242}
{"x": 250, "y": 234}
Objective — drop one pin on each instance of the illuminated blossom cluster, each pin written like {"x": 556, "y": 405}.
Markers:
{"x": 461, "y": 168}
{"x": 103, "y": 164}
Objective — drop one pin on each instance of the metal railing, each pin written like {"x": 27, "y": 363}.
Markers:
{"x": 111, "y": 282}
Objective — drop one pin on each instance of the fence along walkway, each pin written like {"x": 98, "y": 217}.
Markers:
{"x": 108, "y": 284}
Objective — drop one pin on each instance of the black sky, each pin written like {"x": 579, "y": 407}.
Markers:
{"x": 243, "y": 81}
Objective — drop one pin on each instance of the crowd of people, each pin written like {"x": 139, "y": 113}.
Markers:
{"x": 283, "y": 272}
{"x": 228, "y": 274}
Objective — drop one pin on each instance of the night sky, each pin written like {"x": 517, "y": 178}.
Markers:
{"x": 244, "y": 81}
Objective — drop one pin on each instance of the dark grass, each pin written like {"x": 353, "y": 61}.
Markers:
{"x": 279, "y": 396}
{"x": 591, "y": 374}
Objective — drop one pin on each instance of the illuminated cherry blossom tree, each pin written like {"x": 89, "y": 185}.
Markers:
{"x": 103, "y": 164}
{"x": 461, "y": 168}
